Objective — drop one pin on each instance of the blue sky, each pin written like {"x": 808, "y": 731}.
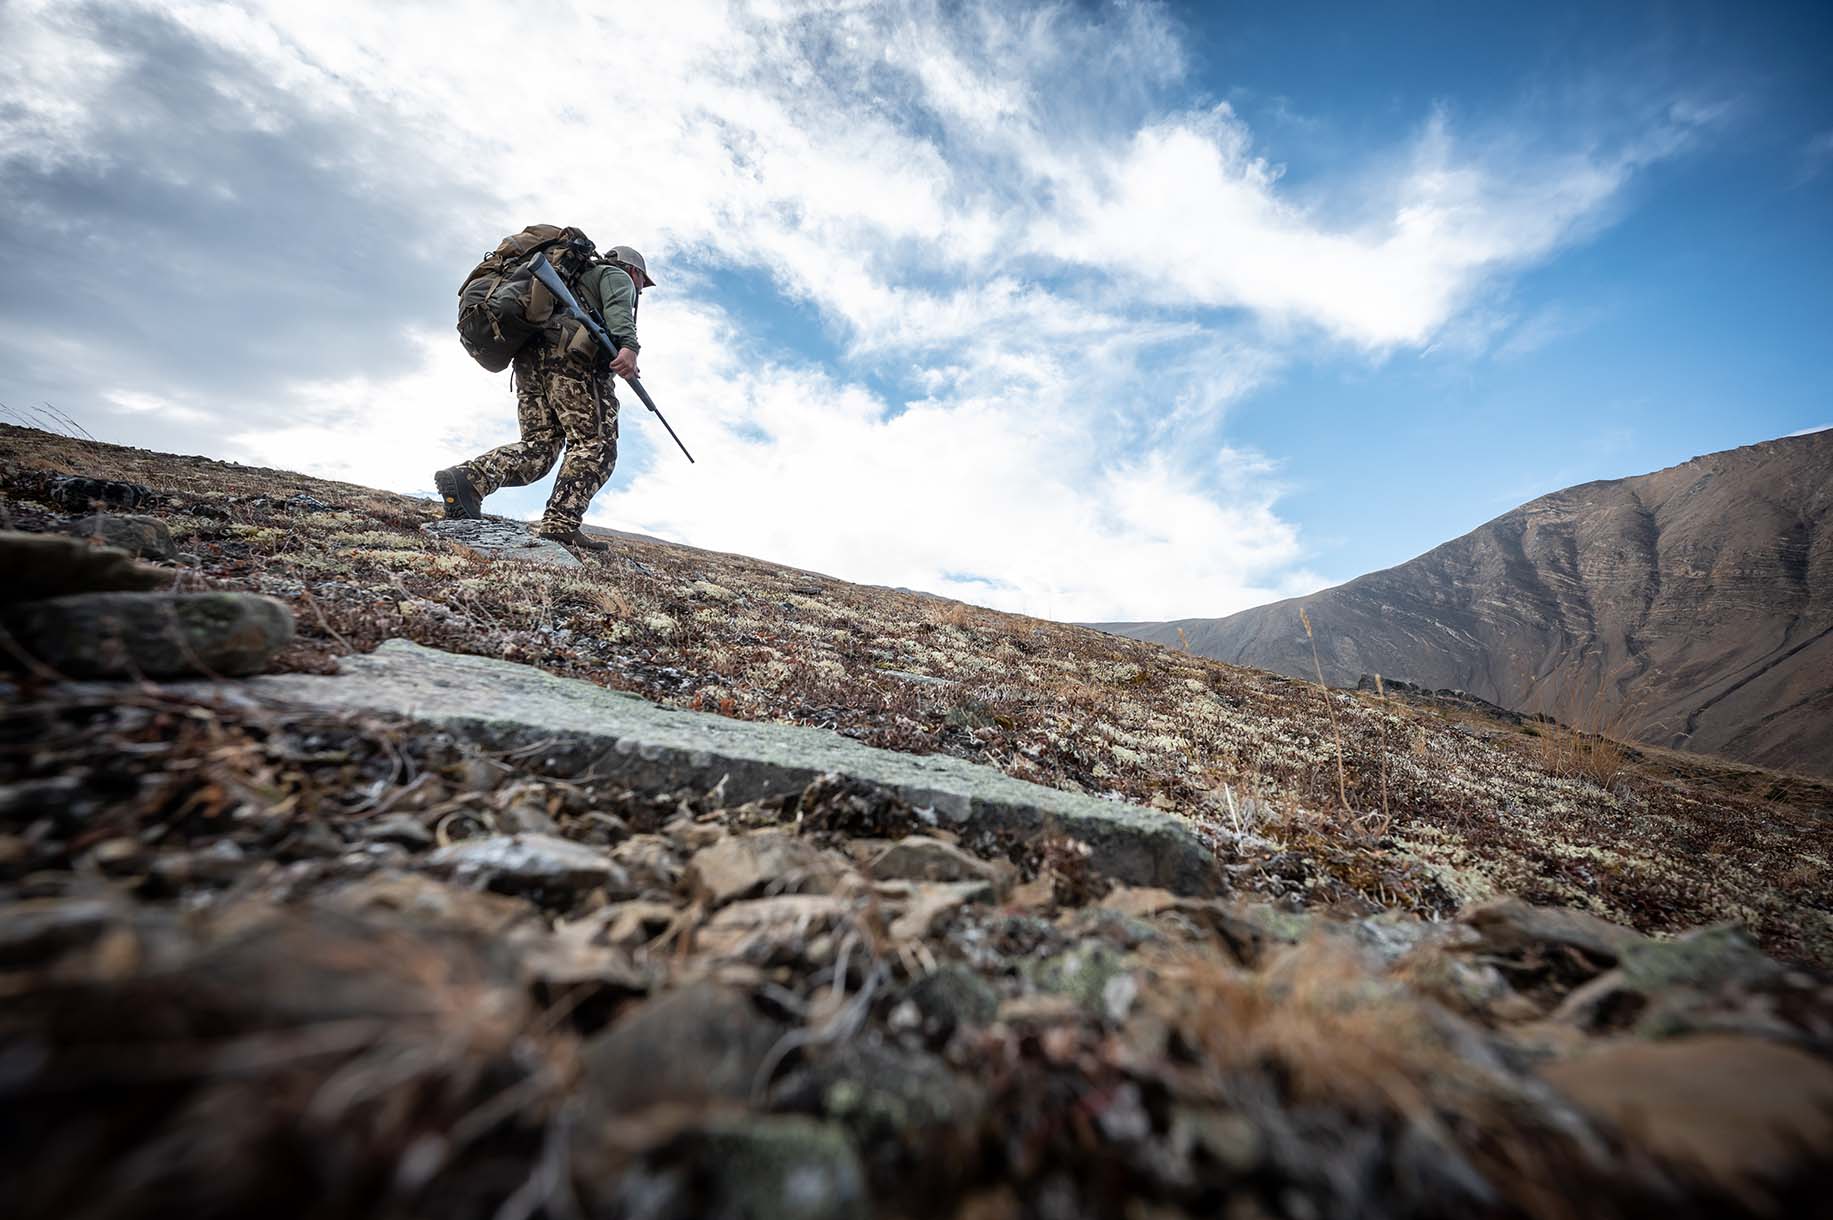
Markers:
{"x": 1693, "y": 321}
{"x": 1091, "y": 311}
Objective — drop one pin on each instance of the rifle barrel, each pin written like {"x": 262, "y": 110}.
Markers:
{"x": 544, "y": 271}
{"x": 651, "y": 404}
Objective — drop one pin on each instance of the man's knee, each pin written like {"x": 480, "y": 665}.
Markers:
{"x": 598, "y": 453}
{"x": 513, "y": 465}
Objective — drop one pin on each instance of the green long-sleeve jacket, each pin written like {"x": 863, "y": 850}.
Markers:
{"x": 608, "y": 290}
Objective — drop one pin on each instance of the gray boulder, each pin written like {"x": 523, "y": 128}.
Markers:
{"x": 143, "y": 537}
{"x": 153, "y": 635}
{"x": 38, "y": 566}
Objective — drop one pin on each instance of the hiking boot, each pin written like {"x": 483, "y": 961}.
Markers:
{"x": 462, "y": 501}
{"x": 575, "y": 537}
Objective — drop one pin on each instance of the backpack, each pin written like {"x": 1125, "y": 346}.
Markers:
{"x": 501, "y": 306}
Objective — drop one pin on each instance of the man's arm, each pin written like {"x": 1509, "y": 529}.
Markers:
{"x": 617, "y": 309}
{"x": 617, "y": 305}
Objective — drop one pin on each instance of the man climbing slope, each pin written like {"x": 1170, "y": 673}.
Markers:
{"x": 563, "y": 399}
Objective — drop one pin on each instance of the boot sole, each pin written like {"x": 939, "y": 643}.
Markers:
{"x": 461, "y": 500}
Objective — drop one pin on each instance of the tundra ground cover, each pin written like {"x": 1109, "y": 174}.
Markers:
{"x": 1475, "y": 805}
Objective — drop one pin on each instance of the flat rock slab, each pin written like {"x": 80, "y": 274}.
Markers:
{"x": 578, "y": 729}
{"x": 494, "y": 539}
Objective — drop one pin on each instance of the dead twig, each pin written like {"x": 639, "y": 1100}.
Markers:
{"x": 319, "y": 614}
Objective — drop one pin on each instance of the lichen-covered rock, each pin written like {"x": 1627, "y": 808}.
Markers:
{"x": 492, "y": 538}
{"x": 1092, "y": 974}
{"x": 142, "y": 537}
{"x": 582, "y": 727}
{"x": 1706, "y": 958}
{"x": 903, "y": 1108}
{"x": 153, "y": 635}
{"x": 38, "y": 566}
{"x": 1661, "y": 988}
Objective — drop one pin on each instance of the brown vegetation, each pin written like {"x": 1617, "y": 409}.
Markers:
{"x": 1292, "y": 795}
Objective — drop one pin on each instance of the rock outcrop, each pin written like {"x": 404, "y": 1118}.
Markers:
{"x": 585, "y": 730}
{"x": 82, "y": 611}
{"x": 495, "y": 538}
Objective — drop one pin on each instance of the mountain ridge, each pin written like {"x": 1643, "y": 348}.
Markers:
{"x": 1691, "y": 606}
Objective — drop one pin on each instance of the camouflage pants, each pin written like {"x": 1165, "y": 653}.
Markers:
{"x": 557, "y": 403}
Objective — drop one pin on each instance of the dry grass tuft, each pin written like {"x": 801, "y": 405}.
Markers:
{"x": 611, "y": 601}
{"x": 951, "y": 614}
{"x": 1585, "y": 740}
{"x": 1334, "y": 1032}
{"x": 1336, "y": 729}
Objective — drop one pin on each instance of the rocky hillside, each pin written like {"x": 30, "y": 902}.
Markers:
{"x": 670, "y": 883}
{"x": 1692, "y": 607}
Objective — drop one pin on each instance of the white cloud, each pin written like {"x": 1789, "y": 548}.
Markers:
{"x": 1811, "y": 431}
{"x": 1002, "y": 500}
{"x": 1190, "y": 211}
{"x": 136, "y": 402}
{"x": 391, "y": 432}
{"x": 999, "y": 206}
{"x": 1542, "y": 328}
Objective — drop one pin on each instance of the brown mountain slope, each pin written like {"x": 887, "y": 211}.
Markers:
{"x": 1690, "y": 607}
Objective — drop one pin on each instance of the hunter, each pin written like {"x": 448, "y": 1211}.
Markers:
{"x": 563, "y": 400}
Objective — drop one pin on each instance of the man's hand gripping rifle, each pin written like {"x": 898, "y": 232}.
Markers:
{"x": 550, "y": 279}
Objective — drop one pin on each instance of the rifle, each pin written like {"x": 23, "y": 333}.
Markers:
{"x": 550, "y": 279}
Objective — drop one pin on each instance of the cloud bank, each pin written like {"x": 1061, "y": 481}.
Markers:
{"x": 954, "y": 297}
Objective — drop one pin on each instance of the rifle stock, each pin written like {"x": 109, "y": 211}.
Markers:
{"x": 550, "y": 279}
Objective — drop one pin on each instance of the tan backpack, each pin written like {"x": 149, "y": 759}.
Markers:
{"x": 501, "y": 306}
